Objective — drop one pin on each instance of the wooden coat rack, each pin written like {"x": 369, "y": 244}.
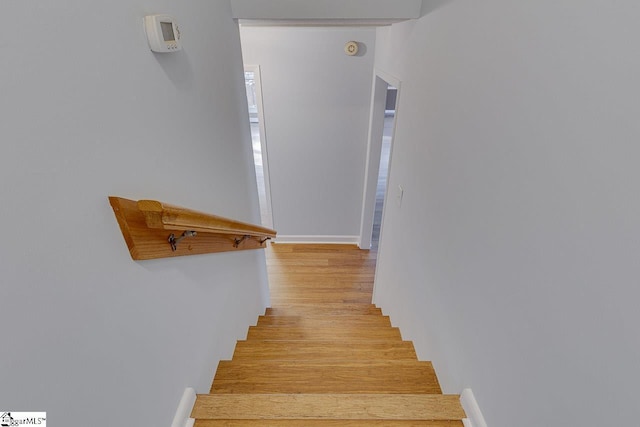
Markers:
{"x": 154, "y": 229}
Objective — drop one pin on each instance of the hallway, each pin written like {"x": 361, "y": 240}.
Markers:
{"x": 383, "y": 174}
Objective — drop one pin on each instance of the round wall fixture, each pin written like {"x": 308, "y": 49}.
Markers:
{"x": 351, "y": 48}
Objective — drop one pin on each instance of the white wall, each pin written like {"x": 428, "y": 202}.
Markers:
{"x": 326, "y": 9}
{"x": 513, "y": 261}
{"x": 88, "y": 111}
{"x": 316, "y": 107}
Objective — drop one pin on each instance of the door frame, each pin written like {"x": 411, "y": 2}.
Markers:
{"x": 380, "y": 84}
{"x": 255, "y": 69}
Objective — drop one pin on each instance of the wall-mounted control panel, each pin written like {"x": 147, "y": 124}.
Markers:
{"x": 163, "y": 33}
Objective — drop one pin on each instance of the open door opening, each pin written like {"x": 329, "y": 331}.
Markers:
{"x": 381, "y": 132}
{"x": 385, "y": 156}
{"x": 259, "y": 142}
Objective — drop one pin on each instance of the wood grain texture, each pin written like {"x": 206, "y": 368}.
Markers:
{"x": 144, "y": 242}
{"x": 326, "y": 351}
{"x": 329, "y": 406}
{"x": 326, "y": 309}
{"x": 369, "y": 376}
{"x": 323, "y": 355}
{"x": 327, "y": 423}
{"x": 314, "y": 321}
{"x": 170, "y": 217}
{"x": 346, "y": 333}
{"x": 320, "y": 274}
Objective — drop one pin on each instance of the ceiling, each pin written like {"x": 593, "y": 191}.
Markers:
{"x": 324, "y": 12}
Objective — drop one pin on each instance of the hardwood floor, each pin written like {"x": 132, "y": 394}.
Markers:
{"x": 319, "y": 274}
{"x": 323, "y": 355}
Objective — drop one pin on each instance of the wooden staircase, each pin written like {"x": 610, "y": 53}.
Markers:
{"x": 324, "y": 356}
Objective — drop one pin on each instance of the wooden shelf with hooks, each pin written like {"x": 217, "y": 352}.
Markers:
{"x": 154, "y": 229}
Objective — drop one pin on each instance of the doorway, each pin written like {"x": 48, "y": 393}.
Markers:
{"x": 386, "y": 91}
{"x": 383, "y": 170}
{"x": 253, "y": 88}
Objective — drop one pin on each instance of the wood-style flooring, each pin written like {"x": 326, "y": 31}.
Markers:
{"x": 323, "y": 355}
{"x": 319, "y": 274}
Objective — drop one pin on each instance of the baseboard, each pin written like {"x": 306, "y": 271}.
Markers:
{"x": 182, "y": 417}
{"x": 338, "y": 240}
{"x": 471, "y": 408}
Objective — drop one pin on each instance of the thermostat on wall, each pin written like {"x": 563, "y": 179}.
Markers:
{"x": 163, "y": 33}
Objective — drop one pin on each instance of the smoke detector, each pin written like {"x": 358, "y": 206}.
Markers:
{"x": 351, "y": 48}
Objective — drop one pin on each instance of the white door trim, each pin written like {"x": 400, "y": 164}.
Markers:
{"x": 263, "y": 139}
{"x": 381, "y": 80}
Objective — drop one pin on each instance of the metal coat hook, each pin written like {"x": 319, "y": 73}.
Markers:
{"x": 264, "y": 240}
{"x": 238, "y": 241}
{"x": 174, "y": 242}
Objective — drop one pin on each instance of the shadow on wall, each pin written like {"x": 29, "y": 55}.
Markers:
{"x": 177, "y": 67}
{"x": 362, "y": 49}
{"x": 429, "y": 6}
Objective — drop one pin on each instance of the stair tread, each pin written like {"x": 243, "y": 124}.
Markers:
{"x": 328, "y": 406}
{"x": 327, "y": 423}
{"x": 352, "y": 297}
{"x": 391, "y": 376}
{"x": 322, "y": 291}
{"x": 346, "y": 332}
{"x": 324, "y": 350}
{"x": 326, "y": 309}
{"x": 310, "y": 250}
{"x": 309, "y": 273}
{"x": 323, "y": 320}
{"x": 323, "y": 355}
